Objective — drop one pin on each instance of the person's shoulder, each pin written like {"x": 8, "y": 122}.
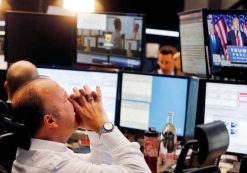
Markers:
{"x": 242, "y": 32}
{"x": 230, "y": 34}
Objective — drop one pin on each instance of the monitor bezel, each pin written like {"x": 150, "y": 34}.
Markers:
{"x": 230, "y": 72}
{"x": 133, "y": 130}
{"x": 88, "y": 70}
{"x": 71, "y": 60}
{"x": 201, "y": 114}
{"x": 142, "y": 43}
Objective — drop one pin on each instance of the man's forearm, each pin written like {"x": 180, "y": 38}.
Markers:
{"x": 123, "y": 153}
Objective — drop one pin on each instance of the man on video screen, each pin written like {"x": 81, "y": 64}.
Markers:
{"x": 236, "y": 37}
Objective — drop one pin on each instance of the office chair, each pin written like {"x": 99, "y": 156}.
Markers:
{"x": 208, "y": 169}
{"x": 16, "y": 135}
{"x": 243, "y": 165}
{"x": 211, "y": 141}
{"x": 4, "y": 109}
{"x": 2, "y": 170}
{"x": 4, "y": 112}
{"x": 7, "y": 150}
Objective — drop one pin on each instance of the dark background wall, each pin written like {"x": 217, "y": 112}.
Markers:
{"x": 159, "y": 14}
{"x": 156, "y": 18}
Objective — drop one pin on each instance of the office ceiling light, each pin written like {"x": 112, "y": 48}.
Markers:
{"x": 162, "y": 32}
{"x": 79, "y": 5}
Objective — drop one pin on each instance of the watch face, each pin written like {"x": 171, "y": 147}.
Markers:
{"x": 108, "y": 126}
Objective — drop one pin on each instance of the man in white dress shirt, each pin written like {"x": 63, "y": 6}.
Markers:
{"x": 166, "y": 61}
{"x": 51, "y": 116}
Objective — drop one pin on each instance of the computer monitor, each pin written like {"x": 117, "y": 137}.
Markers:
{"x": 193, "y": 52}
{"x": 146, "y": 100}
{"x": 193, "y": 107}
{"x": 40, "y": 38}
{"x": 113, "y": 42}
{"x": 70, "y": 78}
{"x": 226, "y": 41}
{"x": 228, "y": 102}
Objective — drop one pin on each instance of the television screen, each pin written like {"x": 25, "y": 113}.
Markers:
{"x": 114, "y": 40}
{"x": 228, "y": 102}
{"x": 146, "y": 100}
{"x": 193, "y": 54}
{"x": 69, "y": 79}
{"x": 40, "y": 38}
{"x": 227, "y": 42}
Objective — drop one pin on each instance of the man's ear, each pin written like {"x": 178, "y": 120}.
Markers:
{"x": 6, "y": 86}
{"x": 7, "y": 89}
{"x": 50, "y": 121}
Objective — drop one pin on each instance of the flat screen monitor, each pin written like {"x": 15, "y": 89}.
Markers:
{"x": 110, "y": 39}
{"x": 228, "y": 102}
{"x": 193, "y": 53}
{"x": 69, "y": 79}
{"x": 40, "y": 38}
{"x": 146, "y": 100}
{"x": 226, "y": 40}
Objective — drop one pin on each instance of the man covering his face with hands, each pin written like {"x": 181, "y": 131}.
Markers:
{"x": 51, "y": 116}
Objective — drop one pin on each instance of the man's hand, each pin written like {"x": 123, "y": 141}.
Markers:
{"x": 89, "y": 110}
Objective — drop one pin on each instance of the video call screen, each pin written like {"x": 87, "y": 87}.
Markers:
{"x": 68, "y": 79}
{"x": 227, "y": 40}
{"x": 146, "y": 101}
{"x": 110, "y": 40}
{"x": 228, "y": 103}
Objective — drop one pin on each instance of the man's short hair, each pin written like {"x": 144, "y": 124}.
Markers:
{"x": 235, "y": 19}
{"x": 137, "y": 25}
{"x": 28, "y": 106}
{"x": 165, "y": 50}
{"x": 117, "y": 23}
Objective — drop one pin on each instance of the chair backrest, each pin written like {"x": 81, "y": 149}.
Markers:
{"x": 4, "y": 109}
{"x": 7, "y": 150}
{"x": 211, "y": 142}
{"x": 243, "y": 165}
{"x": 3, "y": 170}
{"x": 213, "y": 139}
{"x": 16, "y": 135}
{"x": 209, "y": 169}
{"x": 21, "y": 133}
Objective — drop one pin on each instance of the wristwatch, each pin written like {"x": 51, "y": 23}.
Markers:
{"x": 107, "y": 128}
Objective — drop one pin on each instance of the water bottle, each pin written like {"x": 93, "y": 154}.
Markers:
{"x": 167, "y": 148}
{"x": 151, "y": 145}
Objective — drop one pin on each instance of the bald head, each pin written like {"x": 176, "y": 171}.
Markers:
{"x": 18, "y": 74}
{"x": 28, "y": 105}
{"x": 44, "y": 108}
